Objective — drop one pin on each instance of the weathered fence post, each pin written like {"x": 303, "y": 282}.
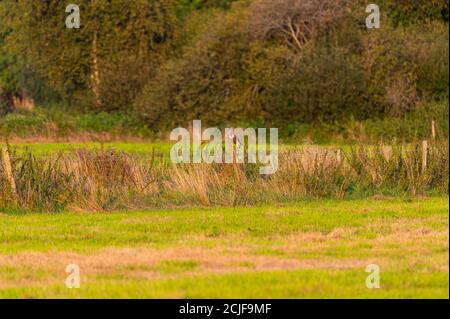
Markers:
{"x": 339, "y": 156}
{"x": 424, "y": 155}
{"x": 7, "y": 168}
{"x": 433, "y": 129}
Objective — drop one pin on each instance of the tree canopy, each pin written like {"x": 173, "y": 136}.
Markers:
{"x": 269, "y": 61}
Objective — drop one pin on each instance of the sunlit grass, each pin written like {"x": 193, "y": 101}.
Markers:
{"x": 311, "y": 249}
{"x": 137, "y": 147}
{"x": 40, "y": 149}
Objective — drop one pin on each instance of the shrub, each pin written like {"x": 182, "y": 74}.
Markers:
{"x": 390, "y": 71}
{"x": 203, "y": 82}
{"x": 294, "y": 21}
{"x": 230, "y": 69}
{"x": 245, "y": 66}
{"x": 407, "y": 12}
{"x": 428, "y": 45}
{"x": 105, "y": 62}
{"x": 322, "y": 85}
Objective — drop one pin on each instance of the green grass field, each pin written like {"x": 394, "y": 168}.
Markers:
{"x": 43, "y": 149}
{"x": 311, "y": 249}
{"x": 139, "y": 148}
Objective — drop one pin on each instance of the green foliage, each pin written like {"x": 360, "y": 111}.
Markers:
{"x": 407, "y": 12}
{"x": 23, "y": 122}
{"x": 228, "y": 74}
{"x": 8, "y": 72}
{"x": 17, "y": 78}
{"x": 324, "y": 85}
{"x": 415, "y": 125}
{"x": 9, "y": 68}
{"x": 59, "y": 121}
{"x": 430, "y": 49}
{"x": 390, "y": 71}
{"x": 226, "y": 62}
{"x": 185, "y": 7}
{"x": 107, "y": 60}
{"x": 203, "y": 82}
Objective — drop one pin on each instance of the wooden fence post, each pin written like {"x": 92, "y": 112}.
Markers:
{"x": 7, "y": 168}
{"x": 424, "y": 155}
{"x": 433, "y": 129}
{"x": 339, "y": 156}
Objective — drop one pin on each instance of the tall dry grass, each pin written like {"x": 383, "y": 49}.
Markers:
{"x": 99, "y": 180}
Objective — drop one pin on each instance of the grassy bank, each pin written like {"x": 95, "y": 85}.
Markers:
{"x": 300, "y": 250}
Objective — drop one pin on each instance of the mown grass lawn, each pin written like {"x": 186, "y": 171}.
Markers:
{"x": 311, "y": 249}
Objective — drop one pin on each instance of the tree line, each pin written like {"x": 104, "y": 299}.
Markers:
{"x": 268, "y": 62}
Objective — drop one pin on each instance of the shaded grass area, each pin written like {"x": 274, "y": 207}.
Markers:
{"x": 313, "y": 249}
{"x": 57, "y": 122}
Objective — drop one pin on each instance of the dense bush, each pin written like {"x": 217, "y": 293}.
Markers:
{"x": 407, "y": 12}
{"x": 390, "y": 71}
{"x": 203, "y": 82}
{"x": 288, "y": 63}
{"x": 105, "y": 62}
{"x": 430, "y": 49}
{"x": 220, "y": 77}
{"x": 322, "y": 85}
{"x": 8, "y": 72}
{"x": 184, "y": 7}
{"x": 246, "y": 65}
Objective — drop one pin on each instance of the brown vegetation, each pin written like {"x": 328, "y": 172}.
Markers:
{"x": 108, "y": 179}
